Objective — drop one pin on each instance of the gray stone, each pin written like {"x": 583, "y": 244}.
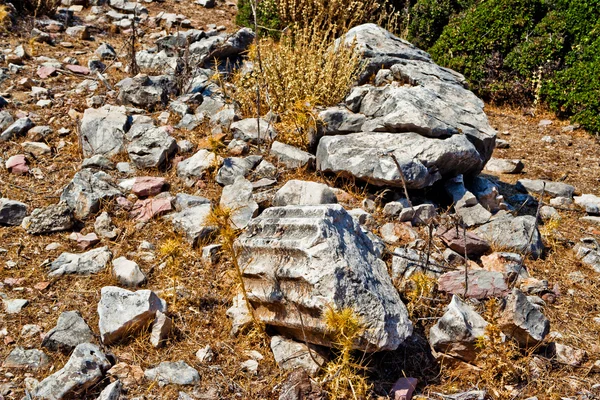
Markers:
{"x": 98, "y": 161}
{"x": 355, "y": 278}
{"x": 502, "y": 166}
{"x": 86, "y": 191}
{"x": 590, "y": 202}
{"x": 6, "y": 120}
{"x": 54, "y": 218}
{"x": 238, "y": 198}
{"x": 523, "y": 321}
{"x": 87, "y": 263}
{"x": 104, "y": 227}
{"x": 161, "y": 329}
{"x": 183, "y": 201}
{"x": 547, "y": 213}
{"x": 20, "y": 358}
{"x": 194, "y": 167}
{"x": 424, "y": 161}
{"x": 455, "y": 334}
{"x": 393, "y": 208}
{"x": 86, "y": 368}
{"x": 222, "y": 46}
{"x": 211, "y": 253}
{"x": 14, "y": 306}
{"x": 266, "y": 170}
{"x": 12, "y": 212}
{"x": 145, "y": 91}
{"x": 149, "y": 146}
{"x": 304, "y": 193}
{"x": 70, "y": 331}
{"x": 291, "y": 156}
{"x": 339, "y": 120}
{"x": 112, "y": 391}
{"x": 106, "y": 51}
{"x": 234, "y": 167}
{"x": 189, "y": 122}
{"x": 18, "y": 128}
{"x": 422, "y": 214}
{"x": 487, "y": 194}
{"x": 205, "y": 354}
{"x": 290, "y": 355}
{"x": 38, "y": 149}
{"x": 127, "y": 272}
{"x": 552, "y": 189}
{"x": 192, "y": 222}
{"x": 123, "y": 313}
{"x": 176, "y": 373}
{"x": 474, "y": 215}
{"x": 247, "y": 130}
{"x": 517, "y": 234}
{"x": 103, "y": 130}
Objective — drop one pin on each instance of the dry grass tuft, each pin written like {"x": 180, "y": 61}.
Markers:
{"x": 345, "y": 377}
{"x": 302, "y": 71}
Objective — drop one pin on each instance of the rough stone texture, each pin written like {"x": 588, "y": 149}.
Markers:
{"x": 104, "y": 227}
{"x": 183, "y": 201}
{"x": 238, "y": 198}
{"x": 247, "y": 130}
{"x": 503, "y": 166}
{"x": 70, "y": 331}
{"x": 513, "y": 234}
{"x": 367, "y": 156}
{"x": 18, "y": 128}
{"x": 455, "y": 333}
{"x": 103, "y": 130}
{"x": 418, "y": 215}
{"x": 85, "y": 368}
{"x": 177, "y": 373}
{"x": 481, "y": 284}
{"x": 430, "y": 121}
{"x": 290, "y": 355}
{"x": 291, "y": 262}
{"x": 522, "y": 320}
{"x": 553, "y": 189}
{"x": 33, "y": 359}
{"x": 458, "y": 241}
{"x": 194, "y": 167}
{"x": 144, "y": 186}
{"x": 487, "y": 193}
{"x": 112, "y": 391}
{"x": 149, "y": 146}
{"x": 12, "y": 212}
{"x": 123, "y": 313}
{"x": 304, "y": 193}
{"x": 86, "y": 190}
{"x": 291, "y": 156}
{"x": 146, "y": 91}
{"x": 192, "y": 222}
{"x": 145, "y": 210}
{"x": 299, "y": 386}
{"x": 510, "y": 264}
{"x": 161, "y": 329}
{"x": 87, "y": 263}
{"x": 14, "y": 306}
{"x": 127, "y": 272}
{"x": 233, "y": 167}
{"x": 590, "y": 202}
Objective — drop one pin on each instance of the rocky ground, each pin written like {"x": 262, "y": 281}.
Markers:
{"x": 116, "y": 277}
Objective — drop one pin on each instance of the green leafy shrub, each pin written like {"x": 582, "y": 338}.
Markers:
{"x": 267, "y": 15}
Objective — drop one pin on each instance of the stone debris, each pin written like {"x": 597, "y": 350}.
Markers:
{"x": 177, "y": 373}
{"x": 87, "y": 263}
{"x": 357, "y": 273}
{"x": 127, "y": 272}
{"x": 123, "y": 313}
{"x": 20, "y": 358}
{"x": 290, "y": 355}
{"x": 70, "y": 331}
{"x": 523, "y": 321}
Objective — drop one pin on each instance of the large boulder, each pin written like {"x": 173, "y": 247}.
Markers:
{"x": 103, "y": 130}
{"x": 298, "y": 261}
{"x": 426, "y": 117}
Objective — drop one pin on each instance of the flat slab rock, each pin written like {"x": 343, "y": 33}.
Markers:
{"x": 481, "y": 284}
{"x": 123, "y": 313}
{"x": 292, "y": 264}
{"x": 178, "y": 373}
{"x": 20, "y": 358}
{"x": 87, "y": 263}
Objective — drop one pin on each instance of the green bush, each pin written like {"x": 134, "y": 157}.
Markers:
{"x": 267, "y": 16}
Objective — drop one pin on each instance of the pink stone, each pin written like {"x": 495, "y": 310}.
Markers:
{"x": 78, "y": 69}
{"x": 17, "y": 164}
{"x": 144, "y": 210}
{"x": 86, "y": 241}
{"x": 482, "y": 284}
{"x": 403, "y": 388}
{"x": 124, "y": 203}
{"x": 148, "y": 186}
{"x": 45, "y": 72}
